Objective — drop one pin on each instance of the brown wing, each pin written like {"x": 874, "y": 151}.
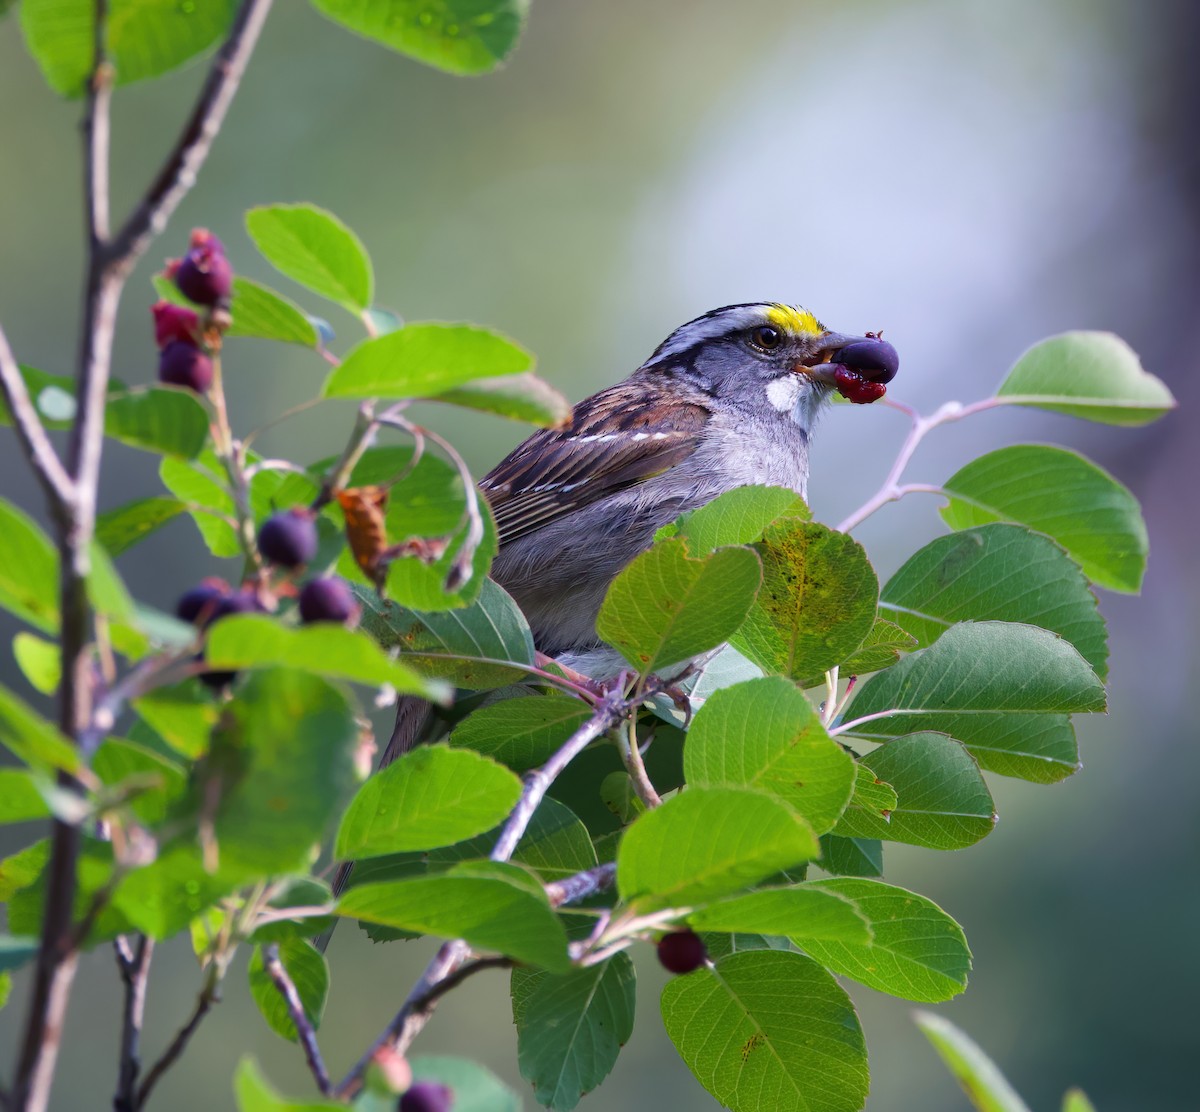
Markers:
{"x": 616, "y": 439}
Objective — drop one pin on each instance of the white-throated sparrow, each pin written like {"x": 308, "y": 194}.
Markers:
{"x": 727, "y": 400}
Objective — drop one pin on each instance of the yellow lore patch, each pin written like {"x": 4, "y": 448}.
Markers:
{"x": 791, "y": 319}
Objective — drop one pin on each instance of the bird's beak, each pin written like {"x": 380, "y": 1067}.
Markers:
{"x": 823, "y": 364}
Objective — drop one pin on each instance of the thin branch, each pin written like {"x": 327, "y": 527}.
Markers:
{"x": 35, "y": 444}
{"x": 134, "y": 966}
{"x": 408, "y": 1021}
{"x": 178, "y": 173}
{"x": 300, "y": 1020}
{"x": 365, "y": 427}
{"x": 425, "y": 1002}
{"x": 204, "y": 1002}
{"x": 571, "y": 889}
{"x": 891, "y": 490}
{"x": 636, "y": 767}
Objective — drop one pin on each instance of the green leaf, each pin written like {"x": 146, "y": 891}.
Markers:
{"x": 982, "y": 666}
{"x": 31, "y": 739}
{"x": 281, "y": 762}
{"x": 707, "y": 842}
{"x": 468, "y": 647}
{"x": 106, "y": 590}
{"x": 881, "y": 648}
{"x": 29, "y": 570}
{"x": 182, "y": 715}
{"x": 667, "y": 607}
{"x": 20, "y": 798}
{"x": 871, "y": 794}
{"x": 738, "y": 516}
{"x": 161, "y": 419}
{"x": 942, "y": 801}
{"x": 767, "y": 1030}
{"x": 313, "y": 247}
{"x": 118, "y": 760}
{"x": 255, "y": 1094}
{"x": 916, "y": 951}
{"x": 1074, "y": 1100}
{"x": 492, "y": 906}
{"x": 261, "y": 312}
{"x": 803, "y": 913}
{"x": 121, "y": 528}
{"x": 521, "y": 733}
{"x": 997, "y": 572}
{"x": 430, "y": 797}
{"x": 308, "y": 971}
{"x": 145, "y": 38}
{"x": 21, "y": 869}
{"x": 475, "y": 1089}
{"x": 39, "y": 661}
{"x": 1062, "y": 494}
{"x": 258, "y": 641}
{"x": 983, "y": 1083}
{"x": 521, "y": 397}
{"x": 817, "y": 601}
{"x": 214, "y": 508}
{"x": 765, "y": 734}
{"x": 1093, "y": 375}
{"x": 571, "y": 1026}
{"x": 851, "y": 856}
{"x": 464, "y": 37}
{"x": 424, "y": 360}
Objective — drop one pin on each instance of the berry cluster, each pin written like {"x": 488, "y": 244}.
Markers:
{"x": 204, "y": 277}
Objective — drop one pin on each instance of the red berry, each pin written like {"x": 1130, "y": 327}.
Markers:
{"x": 327, "y": 600}
{"x": 682, "y": 951}
{"x": 289, "y": 539}
{"x": 853, "y": 387}
{"x": 174, "y": 322}
{"x": 182, "y": 363}
{"x": 874, "y": 359}
{"x": 199, "y": 604}
{"x": 427, "y": 1096}
{"x": 204, "y": 274}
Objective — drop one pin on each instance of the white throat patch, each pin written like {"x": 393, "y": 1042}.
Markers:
{"x": 784, "y": 392}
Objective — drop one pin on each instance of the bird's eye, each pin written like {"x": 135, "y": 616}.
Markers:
{"x": 766, "y": 338}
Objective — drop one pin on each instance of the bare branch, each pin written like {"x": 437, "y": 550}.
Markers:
{"x": 134, "y": 965}
{"x": 204, "y": 1002}
{"x": 578, "y": 887}
{"x": 31, "y": 432}
{"x": 360, "y": 440}
{"x": 178, "y": 173}
{"x": 300, "y": 1020}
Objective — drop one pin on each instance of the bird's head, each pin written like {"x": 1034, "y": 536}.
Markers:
{"x": 766, "y": 354}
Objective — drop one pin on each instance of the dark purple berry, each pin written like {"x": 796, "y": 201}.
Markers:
{"x": 182, "y": 363}
{"x": 681, "y": 951}
{"x": 174, "y": 322}
{"x": 427, "y": 1096}
{"x": 200, "y": 603}
{"x": 873, "y": 359}
{"x": 289, "y": 539}
{"x": 240, "y": 602}
{"x": 327, "y": 600}
{"x": 204, "y": 274}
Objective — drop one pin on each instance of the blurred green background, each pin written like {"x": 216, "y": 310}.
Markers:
{"x": 969, "y": 175}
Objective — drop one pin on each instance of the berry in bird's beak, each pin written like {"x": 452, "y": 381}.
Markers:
{"x": 859, "y": 368}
